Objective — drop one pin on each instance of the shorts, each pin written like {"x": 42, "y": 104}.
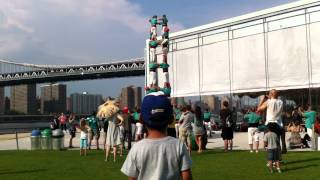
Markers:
{"x": 227, "y": 133}
{"x": 253, "y": 135}
{"x": 139, "y": 128}
{"x": 94, "y": 133}
{"x": 185, "y": 135}
{"x": 83, "y": 143}
{"x": 273, "y": 155}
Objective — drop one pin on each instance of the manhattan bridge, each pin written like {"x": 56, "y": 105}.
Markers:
{"x": 12, "y": 73}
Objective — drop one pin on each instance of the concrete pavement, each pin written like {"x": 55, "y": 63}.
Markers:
{"x": 240, "y": 141}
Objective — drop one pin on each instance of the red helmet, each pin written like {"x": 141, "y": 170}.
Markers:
{"x": 125, "y": 109}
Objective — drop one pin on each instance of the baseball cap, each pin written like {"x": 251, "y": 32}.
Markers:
{"x": 125, "y": 109}
{"x": 156, "y": 110}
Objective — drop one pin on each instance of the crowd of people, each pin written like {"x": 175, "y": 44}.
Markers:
{"x": 189, "y": 124}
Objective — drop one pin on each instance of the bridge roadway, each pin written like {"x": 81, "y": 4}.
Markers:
{"x": 44, "y": 73}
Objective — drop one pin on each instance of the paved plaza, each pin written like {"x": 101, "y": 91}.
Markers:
{"x": 8, "y": 141}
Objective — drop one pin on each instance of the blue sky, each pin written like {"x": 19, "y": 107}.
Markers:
{"x": 95, "y": 31}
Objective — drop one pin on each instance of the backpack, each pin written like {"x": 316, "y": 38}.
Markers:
{"x": 229, "y": 121}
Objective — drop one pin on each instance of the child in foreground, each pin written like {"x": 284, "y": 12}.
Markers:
{"x": 84, "y": 129}
{"x": 158, "y": 156}
{"x": 271, "y": 143}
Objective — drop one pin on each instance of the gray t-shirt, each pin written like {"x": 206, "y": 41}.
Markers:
{"x": 271, "y": 139}
{"x": 186, "y": 119}
{"x": 157, "y": 159}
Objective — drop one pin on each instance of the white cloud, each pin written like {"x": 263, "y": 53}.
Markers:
{"x": 22, "y": 21}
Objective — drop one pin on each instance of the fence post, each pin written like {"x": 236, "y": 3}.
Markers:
{"x": 17, "y": 140}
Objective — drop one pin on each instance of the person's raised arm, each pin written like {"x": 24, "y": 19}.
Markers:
{"x": 262, "y": 105}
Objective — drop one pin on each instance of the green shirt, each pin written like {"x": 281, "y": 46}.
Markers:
{"x": 92, "y": 122}
{"x": 252, "y": 118}
{"x": 206, "y": 115}
{"x": 136, "y": 116}
{"x": 310, "y": 118}
{"x": 177, "y": 113}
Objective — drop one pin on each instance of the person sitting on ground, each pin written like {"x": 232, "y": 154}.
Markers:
{"x": 158, "y": 156}
{"x": 271, "y": 142}
{"x": 253, "y": 120}
{"x": 295, "y": 138}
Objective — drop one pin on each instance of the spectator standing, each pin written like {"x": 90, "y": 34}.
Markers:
{"x": 274, "y": 107}
{"x": 72, "y": 128}
{"x": 177, "y": 115}
{"x": 139, "y": 125}
{"x": 271, "y": 142}
{"x": 127, "y": 126}
{"x": 198, "y": 128}
{"x": 55, "y": 124}
{"x": 310, "y": 116}
{"x": 227, "y": 126}
{"x": 158, "y": 156}
{"x": 63, "y": 121}
{"x": 84, "y": 129}
{"x": 207, "y": 120}
{"x": 94, "y": 132}
{"x": 105, "y": 130}
{"x": 185, "y": 128}
{"x": 253, "y": 120}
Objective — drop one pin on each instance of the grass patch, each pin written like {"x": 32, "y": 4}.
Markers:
{"x": 213, "y": 164}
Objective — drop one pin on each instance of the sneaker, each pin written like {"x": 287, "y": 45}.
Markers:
{"x": 279, "y": 170}
{"x": 251, "y": 151}
{"x": 257, "y": 151}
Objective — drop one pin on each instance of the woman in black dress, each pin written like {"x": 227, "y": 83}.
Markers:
{"x": 227, "y": 126}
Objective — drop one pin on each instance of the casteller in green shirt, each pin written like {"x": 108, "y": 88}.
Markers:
{"x": 207, "y": 116}
{"x": 252, "y": 118}
{"x": 310, "y": 118}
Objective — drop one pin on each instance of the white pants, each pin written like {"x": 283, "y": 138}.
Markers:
{"x": 139, "y": 128}
{"x": 253, "y": 135}
{"x": 176, "y": 126}
{"x": 309, "y": 132}
{"x": 133, "y": 130}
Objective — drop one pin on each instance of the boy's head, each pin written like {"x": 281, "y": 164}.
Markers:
{"x": 272, "y": 127}
{"x": 156, "y": 111}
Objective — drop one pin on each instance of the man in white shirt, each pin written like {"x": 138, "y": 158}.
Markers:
{"x": 274, "y": 107}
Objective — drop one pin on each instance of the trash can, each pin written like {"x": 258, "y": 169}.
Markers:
{"x": 46, "y": 139}
{"x": 35, "y": 140}
{"x": 57, "y": 139}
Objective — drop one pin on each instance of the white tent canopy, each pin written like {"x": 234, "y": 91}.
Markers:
{"x": 275, "y": 48}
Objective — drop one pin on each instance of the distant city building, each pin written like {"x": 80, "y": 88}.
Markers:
{"x": 85, "y": 103}
{"x": 53, "y": 98}
{"x": 23, "y": 99}
{"x": 130, "y": 97}
{"x": 68, "y": 104}
{"x": 2, "y": 101}
{"x": 212, "y": 103}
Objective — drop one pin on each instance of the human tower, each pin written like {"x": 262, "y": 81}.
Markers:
{"x": 154, "y": 42}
